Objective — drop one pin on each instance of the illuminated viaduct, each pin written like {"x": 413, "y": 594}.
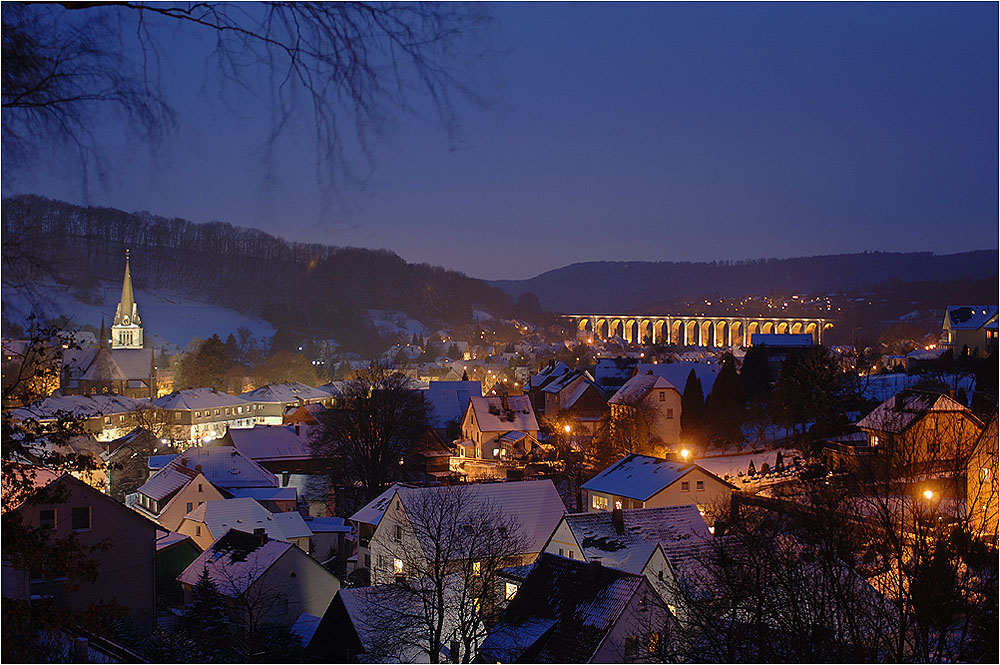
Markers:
{"x": 695, "y": 330}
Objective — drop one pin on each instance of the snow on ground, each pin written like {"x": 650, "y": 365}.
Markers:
{"x": 883, "y": 386}
{"x": 392, "y": 323}
{"x": 732, "y": 465}
{"x": 165, "y": 316}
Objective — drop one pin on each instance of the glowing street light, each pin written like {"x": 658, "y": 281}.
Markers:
{"x": 928, "y": 494}
{"x": 685, "y": 453}
{"x": 567, "y": 429}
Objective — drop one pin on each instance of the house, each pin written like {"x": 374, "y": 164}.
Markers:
{"x": 174, "y": 553}
{"x": 331, "y": 540}
{"x": 574, "y": 398}
{"x": 921, "y": 430}
{"x": 448, "y": 400}
{"x": 970, "y": 326}
{"x": 612, "y": 373}
{"x": 263, "y": 580}
{"x": 642, "y": 481}
{"x": 280, "y": 449}
{"x": 274, "y": 399}
{"x": 125, "y": 461}
{"x": 197, "y": 475}
{"x": 538, "y": 381}
{"x": 209, "y": 521}
{"x": 633, "y": 541}
{"x": 205, "y": 414}
{"x": 535, "y": 506}
{"x": 778, "y": 348}
{"x": 275, "y": 499}
{"x": 981, "y": 492}
{"x": 488, "y": 419}
{"x": 569, "y": 611}
{"x": 103, "y": 370}
{"x": 106, "y": 417}
{"x": 306, "y": 414}
{"x": 428, "y": 460}
{"x": 366, "y": 521}
{"x": 651, "y": 406}
{"x": 677, "y": 373}
{"x": 69, "y": 508}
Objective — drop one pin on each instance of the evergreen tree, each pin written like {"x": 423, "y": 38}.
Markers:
{"x": 465, "y": 375}
{"x": 232, "y": 349}
{"x": 692, "y": 406}
{"x": 454, "y": 352}
{"x": 756, "y": 375}
{"x": 205, "y": 617}
{"x": 725, "y": 404}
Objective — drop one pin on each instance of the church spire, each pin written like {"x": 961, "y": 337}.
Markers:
{"x": 103, "y": 339}
{"x": 127, "y": 303}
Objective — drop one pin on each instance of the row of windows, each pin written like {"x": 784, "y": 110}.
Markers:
{"x": 79, "y": 518}
{"x": 632, "y": 644}
{"x": 699, "y": 486}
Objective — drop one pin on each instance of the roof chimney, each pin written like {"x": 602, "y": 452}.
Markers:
{"x": 261, "y": 534}
{"x": 296, "y": 429}
{"x": 197, "y": 467}
{"x": 593, "y": 569}
{"x": 897, "y": 402}
{"x": 618, "y": 520}
{"x": 503, "y": 401}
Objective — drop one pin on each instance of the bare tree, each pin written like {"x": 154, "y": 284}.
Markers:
{"x": 379, "y": 418}
{"x": 440, "y": 553}
{"x": 353, "y": 65}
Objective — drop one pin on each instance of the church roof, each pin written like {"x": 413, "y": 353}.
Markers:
{"x": 103, "y": 368}
{"x": 126, "y": 305}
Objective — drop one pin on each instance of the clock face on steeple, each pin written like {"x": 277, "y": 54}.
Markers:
{"x": 125, "y": 320}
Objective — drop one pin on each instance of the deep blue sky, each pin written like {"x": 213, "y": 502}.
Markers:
{"x": 634, "y": 132}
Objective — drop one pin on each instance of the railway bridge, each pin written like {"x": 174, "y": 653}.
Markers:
{"x": 683, "y": 330}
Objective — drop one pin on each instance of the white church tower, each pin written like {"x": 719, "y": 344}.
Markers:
{"x": 126, "y": 331}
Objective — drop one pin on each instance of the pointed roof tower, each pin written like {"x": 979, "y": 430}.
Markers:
{"x": 102, "y": 341}
{"x": 126, "y": 307}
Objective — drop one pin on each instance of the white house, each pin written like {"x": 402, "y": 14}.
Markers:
{"x": 657, "y": 404}
{"x": 642, "y": 481}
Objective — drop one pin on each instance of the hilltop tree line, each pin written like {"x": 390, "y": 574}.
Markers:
{"x": 309, "y": 287}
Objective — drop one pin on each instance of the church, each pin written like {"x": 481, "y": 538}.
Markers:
{"x": 119, "y": 365}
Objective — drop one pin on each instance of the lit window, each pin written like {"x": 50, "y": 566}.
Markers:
{"x": 599, "y": 502}
{"x": 672, "y": 608}
{"x": 47, "y": 518}
{"x": 685, "y": 486}
{"x": 81, "y": 518}
{"x": 510, "y": 590}
{"x": 397, "y": 566}
{"x": 477, "y": 567}
{"x": 653, "y": 643}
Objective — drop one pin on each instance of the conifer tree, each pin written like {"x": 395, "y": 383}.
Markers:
{"x": 725, "y": 404}
{"x": 692, "y": 406}
{"x": 205, "y": 617}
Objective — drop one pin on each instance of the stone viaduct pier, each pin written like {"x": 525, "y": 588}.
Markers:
{"x": 694, "y": 330}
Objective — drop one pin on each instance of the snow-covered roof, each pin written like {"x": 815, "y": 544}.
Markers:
{"x": 333, "y": 388}
{"x": 284, "y": 393}
{"x": 549, "y": 373}
{"x": 223, "y": 466}
{"x": 640, "y": 385}
{"x": 534, "y": 505}
{"x": 167, "y": 539}
{"x": 328, "y": 525}
{"x": 372, "y": 512}
{"x": 677, "y": 373}
{"x": 900, "y": 412}
{"x": 265, "y": 493}
{"x": 492, "y": 417}
{"x": 970, "y": 317}
{"x": 560, "y": 383}
{"x": 448, "y": 400}
{"x": 198, "y": 398}
{"x": 644, "y": 528}
{"x": 235, "y": 561}
{"x": 127, "y": 363}
{"x": 305, "y": 627}
{"x": 563, "y": 611}
{"x": 79, "y": 406}
{"x": 245, "y": 514}
{"x": 167, "y": 481}
{"x": 796, "y": 340}
{"x": 264, "y": 443}
{"x": 638, "y": 477}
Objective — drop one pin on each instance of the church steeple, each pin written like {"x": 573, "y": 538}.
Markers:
{"x": 103, "y": 339}
{"x": 126, "y": 332}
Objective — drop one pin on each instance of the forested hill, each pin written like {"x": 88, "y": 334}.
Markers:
{"x": 608, "y": 285}
{"x": 311, "y": 288}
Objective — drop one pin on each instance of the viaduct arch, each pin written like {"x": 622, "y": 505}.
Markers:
{"x": 716, "y": 331}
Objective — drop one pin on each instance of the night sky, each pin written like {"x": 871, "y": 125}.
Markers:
{"x": 626, "y": 132}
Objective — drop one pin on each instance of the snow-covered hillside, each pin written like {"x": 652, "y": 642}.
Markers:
{"x": 166, "y": 317}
